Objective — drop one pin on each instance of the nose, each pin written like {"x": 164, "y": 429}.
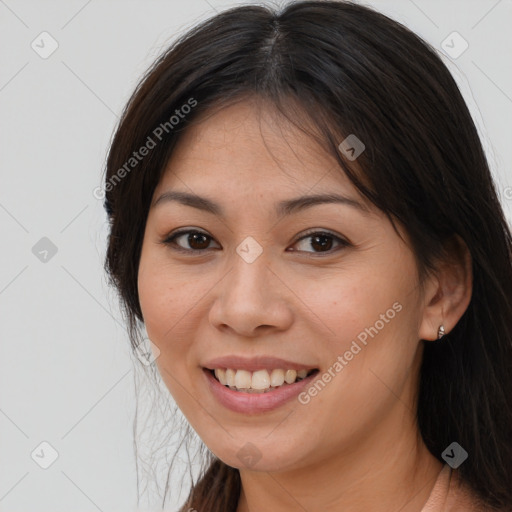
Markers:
{"x": 251, "y": 300}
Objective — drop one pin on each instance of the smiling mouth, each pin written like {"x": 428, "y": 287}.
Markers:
{"x": 261, "y": 381}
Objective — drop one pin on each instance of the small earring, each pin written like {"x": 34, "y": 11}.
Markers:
{"x": 440, "y": 332}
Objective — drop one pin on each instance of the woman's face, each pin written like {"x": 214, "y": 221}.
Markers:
{"x": 320, "y": 285}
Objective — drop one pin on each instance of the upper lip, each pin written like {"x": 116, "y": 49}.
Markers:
{"x": 253, "y": 364}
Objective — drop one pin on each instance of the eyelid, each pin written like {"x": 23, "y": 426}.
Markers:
{"x": 169, "y": 240}
{"x": 343, "y": 242}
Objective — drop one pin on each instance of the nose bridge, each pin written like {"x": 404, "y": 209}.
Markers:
{"x": 249, "y": 277}
{"x": 250, "y": 297}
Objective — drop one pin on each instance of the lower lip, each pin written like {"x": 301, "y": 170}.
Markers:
{"x": 255, "y": 403}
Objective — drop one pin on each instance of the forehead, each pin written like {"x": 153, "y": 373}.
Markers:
{"x": 249, "y": 145}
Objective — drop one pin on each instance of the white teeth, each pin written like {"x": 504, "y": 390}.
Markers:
{"x": 290, "y": 376}
{"x": 242, "y": 379}
{"x": 301, "y": 374}
{"x": 220, "y": 373}
{"x": 230, "y": 377}
{"x": 277, "y": 378}
{"x": 259, "y": 381}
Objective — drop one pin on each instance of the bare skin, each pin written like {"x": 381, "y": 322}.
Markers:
{"x": 354, "y": 446}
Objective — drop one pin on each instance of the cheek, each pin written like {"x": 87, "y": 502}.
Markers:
{"x": 164, "y": 291}
{"x": 372, "y": 321}
{"x": 163, "y": 302}
{"x": 157, "y": 299}
{"x": 164, "y": 308}
{"x": 169, "y": 306}
{"x": 173, "y": 309}
{"x": 348, "y": 302}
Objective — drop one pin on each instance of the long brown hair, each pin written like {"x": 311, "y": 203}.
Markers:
{"x": 348, "y": 69}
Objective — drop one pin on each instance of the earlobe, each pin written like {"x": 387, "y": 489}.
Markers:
{"x": 448, "y": 292}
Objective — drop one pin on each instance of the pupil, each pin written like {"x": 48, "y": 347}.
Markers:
{"x": 322, "y": 245}
{"x": 193, "y": 239}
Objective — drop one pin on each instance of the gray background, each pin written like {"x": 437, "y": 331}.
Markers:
{"x": 66, "y": 374}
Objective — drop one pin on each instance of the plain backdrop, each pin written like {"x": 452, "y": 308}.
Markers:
{"x": 66, "y": 374}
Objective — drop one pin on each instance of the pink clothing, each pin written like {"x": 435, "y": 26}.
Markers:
{"x": 449, "y": 495}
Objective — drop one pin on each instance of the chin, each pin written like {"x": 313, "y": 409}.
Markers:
{"x": 253, "y": 456}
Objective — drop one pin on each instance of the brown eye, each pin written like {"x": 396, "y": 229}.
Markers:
{"x": 196, "y": 240}
{"x": 321, "y": 241}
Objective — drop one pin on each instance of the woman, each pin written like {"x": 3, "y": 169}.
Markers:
{"x": 304, "y": 221}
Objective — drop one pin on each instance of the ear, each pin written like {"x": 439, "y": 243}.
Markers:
{"x": 448, "y": 291}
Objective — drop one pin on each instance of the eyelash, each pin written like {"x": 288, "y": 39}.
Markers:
{"x": 170, "y": 241}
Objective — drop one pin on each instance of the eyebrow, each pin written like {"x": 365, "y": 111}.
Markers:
{"x": 286, "y": 207}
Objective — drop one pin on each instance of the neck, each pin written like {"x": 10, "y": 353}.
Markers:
{"x": 390, "y": 469}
